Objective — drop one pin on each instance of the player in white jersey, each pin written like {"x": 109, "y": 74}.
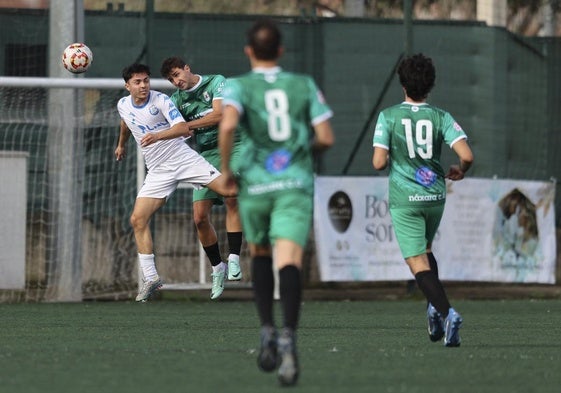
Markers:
{"x": 160, "y": 131}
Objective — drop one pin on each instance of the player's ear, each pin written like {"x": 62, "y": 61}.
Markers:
{"x": 248, "y": 51}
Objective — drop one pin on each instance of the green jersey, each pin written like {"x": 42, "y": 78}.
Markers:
{"x": 196, "y": 103}
{"x": 277, "y": 111}
{"x": 414, "y": 134}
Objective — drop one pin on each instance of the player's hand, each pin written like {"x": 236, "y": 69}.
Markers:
{"x": 148, "y": 139}
{"x": 120, "y": 153}
{"x": 455, "y": 173}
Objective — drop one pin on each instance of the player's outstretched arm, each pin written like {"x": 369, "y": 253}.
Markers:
{"x": 178, "y": 130}
{"x": 212, "y": 118}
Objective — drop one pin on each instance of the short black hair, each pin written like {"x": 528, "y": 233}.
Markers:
{"x": 417, "y": 75}
{"x": 265, "y": 38}
{"x": 169, "y": 64}
{"x": 135, "y": 68}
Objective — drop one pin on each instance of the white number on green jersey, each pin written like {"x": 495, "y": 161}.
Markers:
{"x": 423, "y": 138}
{"x": 276, "y": 103}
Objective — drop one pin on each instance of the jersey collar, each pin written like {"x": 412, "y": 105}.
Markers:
{"x": 415, "y": 103}
{"x": 267, "y": 70}
{"x": 196, "y": 84}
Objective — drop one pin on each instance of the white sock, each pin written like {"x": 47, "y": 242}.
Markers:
{"x": 219, "y": 268}
{"x": 148, "y": 266}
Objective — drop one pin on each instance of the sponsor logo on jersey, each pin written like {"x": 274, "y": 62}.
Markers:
{"x": 287, "y": 184}
{"x": 220, "y": 87}
{"x": 278, "y": 161}
{"x": 425, "y": 198}
{"x": 457, "y": 127}
{"x": 153, "y": 110}
{"x": 414, "y": 108}
{"x": 425, "y": 176}
{"x": 153, "y": 127}
{"x": 174, "y": 113}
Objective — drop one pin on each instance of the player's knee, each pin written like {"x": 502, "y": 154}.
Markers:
{"x": 201, "y": 221}
{"x": 137, "y": 222}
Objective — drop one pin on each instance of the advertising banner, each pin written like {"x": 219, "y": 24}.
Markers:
{"x": 492, "y": 230}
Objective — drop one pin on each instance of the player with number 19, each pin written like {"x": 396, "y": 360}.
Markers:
{"x": 408, "y": 137}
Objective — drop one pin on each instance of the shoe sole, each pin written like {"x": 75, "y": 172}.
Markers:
{"x": 267, "y": 360}
{"x": 288, "y": 371}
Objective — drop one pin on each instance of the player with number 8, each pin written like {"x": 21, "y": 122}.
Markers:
{"x": 279, "y": 112}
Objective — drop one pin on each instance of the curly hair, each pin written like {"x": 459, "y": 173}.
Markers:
{"x": 417, "y": 75}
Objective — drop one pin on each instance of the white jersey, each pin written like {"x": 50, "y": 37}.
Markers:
{"x": 157, "y": 114}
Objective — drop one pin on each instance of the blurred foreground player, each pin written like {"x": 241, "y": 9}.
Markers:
{"x": 277, "y": 111}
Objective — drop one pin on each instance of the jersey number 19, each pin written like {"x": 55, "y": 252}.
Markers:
{"x": 422, "y": 139}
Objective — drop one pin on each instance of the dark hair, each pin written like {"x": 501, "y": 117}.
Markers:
{"x": 169, "y": 64}
{"x": 264, "y": 37}
{"x": 135, "y": 68}
{"x": 417, "y": 75}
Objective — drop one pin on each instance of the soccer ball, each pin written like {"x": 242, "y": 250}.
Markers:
{"x": 77, "y": 58}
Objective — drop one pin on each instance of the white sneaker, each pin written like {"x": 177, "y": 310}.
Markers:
{"x": 218, "y": 278}
{"x": 234, "y": 270}
{"x": 148, "y": 288}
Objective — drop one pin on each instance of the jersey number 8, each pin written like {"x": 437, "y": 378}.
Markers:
{"x": 276, "y": 103}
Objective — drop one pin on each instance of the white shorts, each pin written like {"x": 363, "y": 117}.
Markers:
{"x": 162, "y": 181}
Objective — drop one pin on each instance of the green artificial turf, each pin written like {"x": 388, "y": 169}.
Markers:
{"x": 204, "y": 346}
